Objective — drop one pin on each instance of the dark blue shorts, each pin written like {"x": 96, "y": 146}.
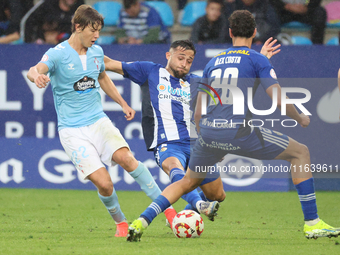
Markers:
{"x": 261, "y": 143}
{"x": 181, "y": 151}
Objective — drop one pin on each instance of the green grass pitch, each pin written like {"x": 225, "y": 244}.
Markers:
{"x": 76, "y": 222}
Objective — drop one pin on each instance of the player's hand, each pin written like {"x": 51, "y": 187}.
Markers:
{"x": 268, "y": 48}
{"x": 304, "y": 122}
{"x": 129, "y": 112}
{"x": 41, "y": 81}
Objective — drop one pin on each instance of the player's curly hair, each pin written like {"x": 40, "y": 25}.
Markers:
{"x": 186, "y": 44}
{"x": 242, "y": 23}
{"x": 85, "y": 15}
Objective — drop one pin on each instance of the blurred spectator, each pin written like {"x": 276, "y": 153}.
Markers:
{"x": 305, "y": 11}
{"x": 140, "y": 23}
{"x": 11, "y": 13}
{"x": 210, "y": 28}
{"x": 49, "y": 21}
{"x": 267, "y": 20}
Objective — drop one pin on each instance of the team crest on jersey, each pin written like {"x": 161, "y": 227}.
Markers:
{"x": 273, "y": 74}
{"x": 84, "y": 84}
{"x": 164, "y": 149}
{"x": 44, "y": 58}
{"x": 183, "y": 84}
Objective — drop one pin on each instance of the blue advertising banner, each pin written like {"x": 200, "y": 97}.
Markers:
{"x": 31, "y": 155}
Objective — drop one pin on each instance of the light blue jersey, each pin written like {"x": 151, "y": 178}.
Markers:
{"x": 75, "y": 86}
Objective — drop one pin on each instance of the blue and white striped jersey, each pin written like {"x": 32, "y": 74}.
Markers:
{"x": 166, "y": 113}
{"x": 138, "y": 27}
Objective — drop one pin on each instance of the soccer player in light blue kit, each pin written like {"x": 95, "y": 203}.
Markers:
{"x": 77, "y": 72}
{"x": 241, "y": 67}
{"x": 166, "y": 117}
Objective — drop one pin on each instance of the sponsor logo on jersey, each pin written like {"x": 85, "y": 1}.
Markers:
{"x": 244, "y": 52}
{"x": 84, "y": 84}
{"x": 70, "y": 67}
{"x": 173, "y": 91}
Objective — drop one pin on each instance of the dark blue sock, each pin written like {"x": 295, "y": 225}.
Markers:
{"x": 307, "y": 198}
{"x": 192, "y": 197}
{"x": 203, "y": 197}
{"x": 155, "y": 208}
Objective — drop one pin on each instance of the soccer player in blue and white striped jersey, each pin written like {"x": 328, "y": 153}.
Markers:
{"x": 166, "y": 116}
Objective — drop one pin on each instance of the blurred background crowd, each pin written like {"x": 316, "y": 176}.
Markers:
{"x": 144, "y": 22}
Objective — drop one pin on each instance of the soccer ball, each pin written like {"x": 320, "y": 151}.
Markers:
{"x": 187, "y": 224}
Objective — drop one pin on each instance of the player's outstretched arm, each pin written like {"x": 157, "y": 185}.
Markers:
{"x": 37, "y": 74}
{"x": 110, "y": 89}
{"x": 291, "y": 111}
{"x": 268, "y": 49}
{"x": 113, "y": 65}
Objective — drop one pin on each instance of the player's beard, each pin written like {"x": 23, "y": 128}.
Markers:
{"x": 177, "y": 74}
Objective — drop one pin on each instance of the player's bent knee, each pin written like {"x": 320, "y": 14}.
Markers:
{"x": 217, "y": 196}
{"x": 105, "y": 188}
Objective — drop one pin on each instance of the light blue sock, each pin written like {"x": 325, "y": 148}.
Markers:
{"x": 307, "y": 198}
{"x": 203, "y": 197}
{"x": 155, "y": 208}
{"x": 112, "y": 205}
{"x": 145, "y": 180}
{"x": 192, "y": 197}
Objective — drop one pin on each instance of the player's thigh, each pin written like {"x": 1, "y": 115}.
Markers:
{"x": 262, "y": 143}
{"x": 213, "y": 189}
{"x": 294, "y": 150}
{"x": 107, "y": 139}
{"x": 172, "y": 155}
{"x": 81, "y": 151}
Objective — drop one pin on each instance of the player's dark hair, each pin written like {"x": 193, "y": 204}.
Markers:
{"x": 242, "y": 23}
{"x": 186, "y": 44}
{"x": 128, "y": 3}
{"x": 85, "y": 15}
{"x": 215, "y": 1}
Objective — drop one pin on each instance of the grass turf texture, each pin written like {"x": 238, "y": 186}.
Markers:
{"x": 76, "y": 222}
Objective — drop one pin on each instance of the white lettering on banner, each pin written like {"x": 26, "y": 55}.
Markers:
{"x": 39, "y": 129}
{"x": 17, "y": 167}
{"x": 4, "y": 104}
{"x": 130, "y": 128}
{"x": 113, "y": 171}
{"x": 38, "y": 94}
{"x": 13, "y": 129}
{"x": 163, "y": 177}
{"x": 136, "y": 97}
{"x": 128, "y": 178}
{"x": 51, "y": 129}
{"x": 65, "y": 169}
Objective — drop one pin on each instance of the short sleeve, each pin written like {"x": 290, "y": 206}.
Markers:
{"x": 51, "y": 59}
{"x": 265, "y": 72}
{"x": 137, "y": 71}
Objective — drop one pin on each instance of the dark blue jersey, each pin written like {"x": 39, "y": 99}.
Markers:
{"x": 230, "y": 74}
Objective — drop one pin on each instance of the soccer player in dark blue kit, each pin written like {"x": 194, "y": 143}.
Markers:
{"x": 243, "y": 68}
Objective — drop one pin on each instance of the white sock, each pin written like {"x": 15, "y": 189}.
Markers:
{"x": 144, "y": 222}
{"x": 312, "y": 222}
{"x": 198, "y": 205}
